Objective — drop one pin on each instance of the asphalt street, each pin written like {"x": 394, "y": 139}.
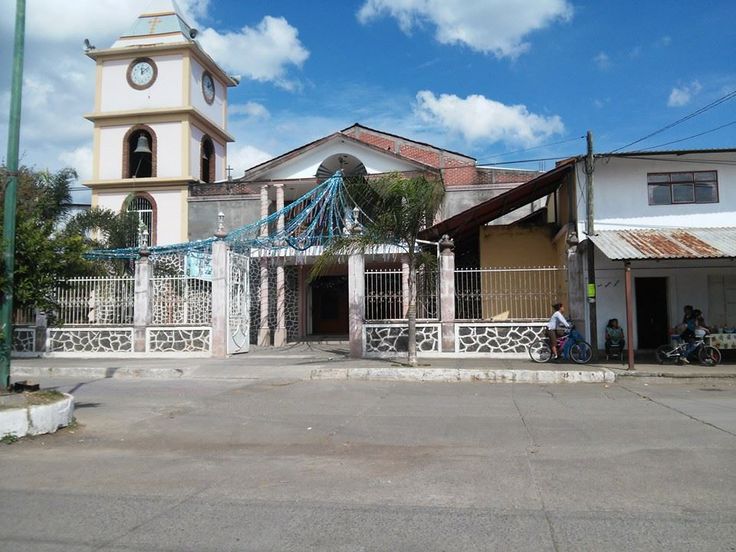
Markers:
{"x": 196, "y": 465}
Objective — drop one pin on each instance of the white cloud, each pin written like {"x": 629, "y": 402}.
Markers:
{"x": 250, "y": 110}
{"x": 602, "y": 60}
{"x": 80, "y": 159}
{"x": 682, "y": 95}
{"x": 496, "y": 27}
{"x": 241, "y": 158}
{"x": 262, "y": 53}
{"x": 479, "y": 118}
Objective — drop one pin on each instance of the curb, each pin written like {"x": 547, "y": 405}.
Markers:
{"x": 96, "y": 372}
{"x": 37, "y": 419}
{"x": 673, "y": 375}
{"x": 451, "y": 375}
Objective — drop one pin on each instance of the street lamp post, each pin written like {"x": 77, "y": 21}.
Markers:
{"x": 6, "y": 311}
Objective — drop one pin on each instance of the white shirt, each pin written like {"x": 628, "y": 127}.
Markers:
{"x": 556, "y": 321}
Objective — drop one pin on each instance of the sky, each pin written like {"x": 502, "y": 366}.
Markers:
{"x": 500, "y": 80}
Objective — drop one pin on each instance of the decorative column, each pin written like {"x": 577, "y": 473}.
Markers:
{"x": 40, "y": 329}
{"x": 356, "y": 303}
{"x": 264, "y": 333}
{"x": 404, "y": 286}
{"x": 279, "y": 334}
{"x": 219, "y": 336}
{"x": 142, "y": 299}
{"x": 447, "y": 293}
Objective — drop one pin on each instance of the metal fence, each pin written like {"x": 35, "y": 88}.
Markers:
{"x": 385, "y": 300}
{"x": 95, "y": 301}
{"x": 181, "y": 300}
{"x": 508, "y": 293}
{"x": 24, "y": 317}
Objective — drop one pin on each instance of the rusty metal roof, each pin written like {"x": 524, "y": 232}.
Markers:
{"x": 673, "y": 243}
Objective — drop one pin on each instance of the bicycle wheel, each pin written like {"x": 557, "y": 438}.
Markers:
{"x": 581, "y": 352}
{"x": 709, "y": 356}
{"x": 663, "y": 353}
{"x": 540, "y": 351}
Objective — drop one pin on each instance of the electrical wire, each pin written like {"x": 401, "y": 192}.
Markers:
{"x": 708, "y": 107}
{"x": 689, "y": 137}
{"x": 537, "y": 147}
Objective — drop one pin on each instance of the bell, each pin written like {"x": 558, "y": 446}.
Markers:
{"x": 142, "y": 146}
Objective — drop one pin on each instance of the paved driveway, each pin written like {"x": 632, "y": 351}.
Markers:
{"x": 349, "y": 466}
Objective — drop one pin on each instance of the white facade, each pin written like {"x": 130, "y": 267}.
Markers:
{"x": 307, "y": 163}
{"x": 621, "y": 202}
{"x": 620, "y": 199}
{"x": 166, "y": 91}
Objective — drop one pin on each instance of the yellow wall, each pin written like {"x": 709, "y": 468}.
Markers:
{"x": 517, "y": 246}
{"x": 521, "y": 294}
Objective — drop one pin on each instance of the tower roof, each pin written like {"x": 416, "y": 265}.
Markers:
{"x": 161, "y": 22}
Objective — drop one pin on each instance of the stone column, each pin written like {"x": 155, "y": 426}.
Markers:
{"x": 42, "y": 323}
{"x": 142, "y": 301}
{"x": 219, "y": 334}
{"x": 404, "y": 285}
{"x": 356, "y": 303}
{"x": 447, "y": 293}
{"x": 264, "y": 333}
{"x": 279, "y": 334}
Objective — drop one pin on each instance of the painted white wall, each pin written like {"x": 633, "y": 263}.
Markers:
{"x": 111, "y": 151}
{"x": 621, "y": 196}
{"x": 169, "y": 149}
{"x": 306, "y": 165}
{"x": 216, "y": 111}
{"x": 169, "y": 221}
{"x": 118, "y": 95}
{"x": 111, "y": 200}
{"x": 687, "y": 282}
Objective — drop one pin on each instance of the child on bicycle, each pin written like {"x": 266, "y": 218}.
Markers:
{"x": 699, "y": 332}
{"x": 556, "y": 327}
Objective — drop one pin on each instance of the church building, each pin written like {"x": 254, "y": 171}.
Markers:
{"x": 160, "y": 150}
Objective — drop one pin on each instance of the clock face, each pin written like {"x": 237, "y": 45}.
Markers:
{"x": 208, "y": 88}
{"x": 141, "y": 73}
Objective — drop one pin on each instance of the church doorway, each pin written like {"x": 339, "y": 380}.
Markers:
{"x": 329, "y": 296}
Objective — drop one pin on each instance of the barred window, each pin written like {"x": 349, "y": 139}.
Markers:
{"x": 682, "y": 187}
{"x": 145, "y": 210}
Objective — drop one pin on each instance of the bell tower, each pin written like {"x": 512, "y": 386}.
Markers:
{"x": 160, "y": 121}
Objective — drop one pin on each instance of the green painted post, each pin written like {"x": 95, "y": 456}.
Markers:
{"x": 6, "y": 311}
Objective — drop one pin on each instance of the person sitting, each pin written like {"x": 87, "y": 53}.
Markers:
{"x": 614, "y": 337}
{"x": 556, "y": 327}
{"x": 688, "y": 323}
{"x": 700, "y": 330}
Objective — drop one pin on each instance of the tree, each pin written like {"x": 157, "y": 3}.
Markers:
{"x": 44, "y": 252}
{"x": 397, "y": 208}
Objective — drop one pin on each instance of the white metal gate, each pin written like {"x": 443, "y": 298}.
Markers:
{"x": 238, "y": 303}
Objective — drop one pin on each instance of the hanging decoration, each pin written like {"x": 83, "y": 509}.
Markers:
{"x": 315, "y": 219}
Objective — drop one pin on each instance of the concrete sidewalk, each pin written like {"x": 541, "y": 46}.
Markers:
{"x": 306, "y": 361}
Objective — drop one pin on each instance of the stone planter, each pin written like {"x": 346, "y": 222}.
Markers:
{"x": 36, "y": 419}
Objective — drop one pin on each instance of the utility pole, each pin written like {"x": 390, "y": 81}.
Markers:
{"x": 590, "y": 247}
{"x": 6, "y": 311}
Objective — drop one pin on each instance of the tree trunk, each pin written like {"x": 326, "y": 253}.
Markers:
{"x": 411, "y": 315}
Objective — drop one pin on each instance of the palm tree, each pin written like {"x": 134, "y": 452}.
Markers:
{"x": 106, "y": 229}
{"x": 397, "y": 208}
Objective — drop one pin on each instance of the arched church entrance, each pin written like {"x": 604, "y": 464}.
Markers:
{"x": 328, "y": 295}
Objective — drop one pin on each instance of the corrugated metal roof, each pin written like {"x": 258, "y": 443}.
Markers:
{"x": 675, "y": 243}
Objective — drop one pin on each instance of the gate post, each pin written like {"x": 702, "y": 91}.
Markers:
{"x": 219, "y": 298}
{"x": 447, "y": 293}
{"x": 356, "y": 303}
{"x": 142, "y": 300}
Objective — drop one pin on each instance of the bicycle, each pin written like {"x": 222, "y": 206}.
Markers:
{"x": 707, "y": 354}
{"x": 571, "y": 345}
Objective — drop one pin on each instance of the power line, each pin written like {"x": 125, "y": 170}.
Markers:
{"x": 681, "y": 120}
{"x": 537, "y": 147}
{"x": 525, "y": 160}
{"x": 689, "y": 137}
